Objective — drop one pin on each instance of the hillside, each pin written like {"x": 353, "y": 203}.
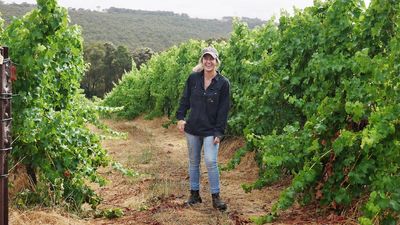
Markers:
{"x": 157, "y": 30}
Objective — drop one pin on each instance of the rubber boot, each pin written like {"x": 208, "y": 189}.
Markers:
{"x": 218, "y": 203}
{"x": 194, "y": 198}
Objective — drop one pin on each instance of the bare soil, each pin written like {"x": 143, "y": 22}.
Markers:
{"x": 157, "y": 196}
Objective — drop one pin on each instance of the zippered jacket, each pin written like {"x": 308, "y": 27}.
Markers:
{"x": 209, "y": 108}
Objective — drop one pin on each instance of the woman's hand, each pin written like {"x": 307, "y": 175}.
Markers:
{"x": 181, "y": 125}
{"x": 216, "y": 140}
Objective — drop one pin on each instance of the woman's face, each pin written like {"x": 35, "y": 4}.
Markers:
{"x": 209, "y": 63}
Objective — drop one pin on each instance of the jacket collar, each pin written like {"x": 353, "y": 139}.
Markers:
{"x": 216, "y": 77}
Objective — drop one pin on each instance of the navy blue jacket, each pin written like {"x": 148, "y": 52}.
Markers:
{"x": 208, "y": 108}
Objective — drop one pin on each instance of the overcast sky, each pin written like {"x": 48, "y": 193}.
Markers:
{"x": 209, "y": 9}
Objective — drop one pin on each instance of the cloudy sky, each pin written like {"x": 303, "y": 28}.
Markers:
{"x": 209, "y": 9}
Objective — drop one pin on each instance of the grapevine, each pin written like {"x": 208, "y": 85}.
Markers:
{"x": 50, "y": 112}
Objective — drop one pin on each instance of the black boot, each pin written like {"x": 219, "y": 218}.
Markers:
{"x": 194, "y": 198}
{"x": 218, "y": 203}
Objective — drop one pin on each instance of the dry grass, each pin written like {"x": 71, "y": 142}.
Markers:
{"x": 44, "y": 216}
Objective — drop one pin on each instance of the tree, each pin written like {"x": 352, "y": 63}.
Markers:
{"x": 141, "y": 56}
{"x": 93, "y": 82}
{"x": 122, "y": 62}
{"x": 107, "y": 64}
{"x": 108, "y": 59}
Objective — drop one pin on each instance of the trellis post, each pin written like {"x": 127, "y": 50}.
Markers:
{"x": 5, "y": 129}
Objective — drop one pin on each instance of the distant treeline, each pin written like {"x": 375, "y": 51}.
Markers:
{"x": 157, "y": 30}
{"x": 107, "y": 64}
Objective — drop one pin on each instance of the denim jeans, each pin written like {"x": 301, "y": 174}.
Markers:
{"x": 195, "y": 144}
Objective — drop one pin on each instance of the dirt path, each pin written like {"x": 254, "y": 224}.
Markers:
{"x": 157, "y": 196}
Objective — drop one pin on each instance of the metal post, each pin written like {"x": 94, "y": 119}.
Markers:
{"x": 5, "y": 130}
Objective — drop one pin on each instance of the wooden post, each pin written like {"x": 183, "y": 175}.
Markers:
{"x": 5, "y": 130}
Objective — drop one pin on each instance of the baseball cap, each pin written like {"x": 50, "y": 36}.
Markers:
{"x": 211, "y": 51}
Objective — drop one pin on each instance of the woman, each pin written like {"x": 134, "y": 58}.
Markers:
{"x": 207, "y": 96}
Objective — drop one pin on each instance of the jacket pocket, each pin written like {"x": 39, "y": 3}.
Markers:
{"x": 212, "y": 102}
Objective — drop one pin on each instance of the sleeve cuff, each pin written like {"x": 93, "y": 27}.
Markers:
{"x": 180, "y": 117}
{"x": 218, "y": 134}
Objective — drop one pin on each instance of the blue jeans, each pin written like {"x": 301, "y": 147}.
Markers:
{"x": 195, "y": 143}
